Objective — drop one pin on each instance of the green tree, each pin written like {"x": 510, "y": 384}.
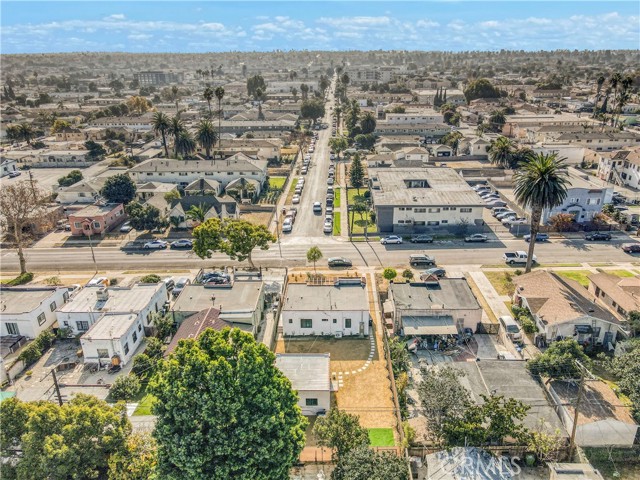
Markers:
{"x": 137, "y": 461}
{"x": 54, "y": 439}
{"x": 26, "y": 132}
{"x": 362, "y": 463}
{"x": 144, "y": 217}
{"x": 163, "y": 324}
{"x": 340, "y": 431}
{"x": 236, "y": 238}
{"x": 400, "y": 361}
{"x": 197, "y": 213}
{"x": 59, "y": 125}
{"x": 389, "y": 273}
{"x": 558, "y": 362}
{"x": 368, "y": 123}
{"x": 304, "y": 91}
{"x": 356, "y": 173}
{"x": 481, "y": 88}
{"x": 407, "y": 274}
{"x": 497, "y": 119}
{"x": 185, "y": 145}
{"x": 161, "y": 124}
{"x": 313, "y": 255}
{"x": 312, "y": 109}
{"x": 398, "y": 109}
{"x": 74, "y": 176}
{"x": 360, "y": 208}
{"x": 501, "y": 152}
{"x": 172, "y": 195}
{"x": 540, "y": 183}
{"x": 626, "y": 367}
{"x": 95, "y": 149}
{"x": 151, "y": 278}
{"x": 208, "y": 96}
{"x": 248, "y": 423}
{"x": 176, "y": 129}
{"x": 219, "y": 93}
{"x": 119, "y": 189}
{"x": 143, "y": 366}
{"x": 207, "y": 136}
{"x": 155, "y": 348}
{"x": 254, "y": 83}
{"x": 452, "y": 139}
{"x": 338, "y": 145}
{"x": 365, "y": 141}
{"x": 125, "y": 387}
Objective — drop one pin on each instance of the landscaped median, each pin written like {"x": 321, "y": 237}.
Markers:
{"x": 292, "y": 191}
{"x": 336, "y": 224}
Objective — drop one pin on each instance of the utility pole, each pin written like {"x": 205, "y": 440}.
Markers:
{"x": 57, "y": 387}
{"x": 572, "y": 444}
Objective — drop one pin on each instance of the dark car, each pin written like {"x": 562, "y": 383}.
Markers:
{"x": 540, "y": 237}
{"x": 596, "y": 236}
{"x": 209, "y": 275}
{"x": 438, "y": 272}
{"x": 422, "y": 239}
{"x": 183, "y": 243}
{"x": 216, "y": 281}
{"x": 339, "y": 262}
{"x": 631, "y": 248}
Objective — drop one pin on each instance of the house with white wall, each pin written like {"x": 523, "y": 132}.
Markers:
{"x": 338, "y": 310}
{"x": 310, "y": 376}
{"x": 114, "y": 335}
{"x": 28, "y": 311}
{"x": 7, "y": 166}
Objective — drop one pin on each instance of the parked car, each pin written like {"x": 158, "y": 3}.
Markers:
{"x": 540, "y": 237}
{"x": 419, "y": 260}
{"x": 214, "y": 274}
{"x": 180, "y": 284}
{"x": 317, "y": 207}
{"x": 126, "y": 227}
{"x": 182, "y": 243}
{"x": 597, "y": 236}
{"x": 476, "y": 238}
{"x": 481, "y": 187}
{"x": 514, "y": 221}
{"x": 296, "y": 199}
{"x": 328, "y": 226}
{"x": 155, "y": 245}
{"x": 170, "y": 283}
{"x": 15, "y": 173}
{"x": 329, "y": 209}
{"x": 438, "y": 272}
{"x": 485, "y": 194}
{"x": 631, "y": 248}
{"x": 391, "y": 239}
{"x": 422, "y": 239}
{"x": 496, "y": 203}
{"x": 503, "y": 215}
{"x": 339, "y": 262}
{"x": 330, "y": 181}
{"x": 287, "y": 226}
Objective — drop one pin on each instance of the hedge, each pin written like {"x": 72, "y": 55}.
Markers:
{"x": 32, "y": 352}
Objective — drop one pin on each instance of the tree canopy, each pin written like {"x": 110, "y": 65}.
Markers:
{"x": 225, "y": 410}
{"x": 481, "y": 88}
{"x": 559, "y": 361}
{"x": 119, "y": 189}
{"x": 356, "y": 173}
{"x": 254, "y": 83}
{"x": 312, "y": 109}
{"x": 340, "y": 431}
{"x": 362, "y": 463}
{"x": 144, "y": 217}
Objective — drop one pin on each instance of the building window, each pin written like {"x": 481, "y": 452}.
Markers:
{"x": 434, "y": 210}
{"x": 335, "y": 320}
{"x": 82, "y": 325}
{"x": 65, "y": 296}
{"x": 420, "y": 210}
{"x": 103, "y": 353}
{"x": 347, "y": 323}
{"x": 53, "y": 306}
{"x": 291, "y": 320}
{"x": 433, "y": 223}
{"x": 41, "y": 319}
{"x": 445, "y": 221}
{"x": 96, "y": 224}
{"x": 135, "y": 337}
{"x": 325, "y": 319}
{"x": 311, "y": 402}
{"x": 139, "y": 327}
{"x": 77, "y": 224}
{"x": 466, "y": 210}
{"x": 12, "y": 328}
{"x": 306, "y": 323}
{"x": 126, "y": 348}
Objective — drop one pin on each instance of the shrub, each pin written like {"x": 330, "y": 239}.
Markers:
{"x": 32, "y": 352}
{"x": 152, "y": 278}
{"x": 21, "y": 279}
{"x": 528, "y": 325}
{"x": 155, "y": 347}
{"x": 125, "y": 387}
{"x": 407, "y": 274}
{"x": 389, "y": 273}
{"x": 45, "y": 340}
{"x": 55, "y": 280}
{"x": 143, "y": 365}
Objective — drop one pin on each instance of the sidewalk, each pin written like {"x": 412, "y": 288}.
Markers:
{"x": 344, "y": 213}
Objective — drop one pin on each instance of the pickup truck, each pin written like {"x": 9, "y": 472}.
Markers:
{"x": 517, "y": 257}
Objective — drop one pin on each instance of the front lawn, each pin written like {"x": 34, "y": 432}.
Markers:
{"x": 144, "y": 406}
{"x": 619, "y": 273}
{"x": 359, "y": 223}
{"x": 580, "y": 276}
{"x": 381, "y": 437}
{"x": 501, "y": 281}
{"x": 277, "y": 183}
{"x": 355, "y": 197}
{"x": 336, "y": 224}
{"x": 336, "y": 198}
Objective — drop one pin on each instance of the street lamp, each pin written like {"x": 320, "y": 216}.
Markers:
{"x": 93, "y": 256}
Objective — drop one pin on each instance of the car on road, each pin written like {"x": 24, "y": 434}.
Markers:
{"x": 182, "y": 243}
{"x": 631, "y": 247}
{"x": 540, "y": 237}
{"x": 15, "y": 173}
{"x": 422, "y": 239}
{"x": 487, "y": 194}
{"x": 296, "y": 199}
{"x": 328, "y": 226}
{"x": 517, "y": 257}
{"x": 126, "y": 227}
{"x": 598, "y": 236}
{"x": 332, "y": 157}
{"x": 391, "y": 239}
{"x": 317, "y": 207}
{"x": 476, "y": 238}
{"x": 155, "y": 245}
{"x": 304, "y": 170}
{"x": 419, "y": 260}
{"x": 438, "y": 272}
{"x": 287, "y": 226}
{"x": 339, "y": 262}
{"x": 330, "y": 181}
{"x": 328, "y": 217}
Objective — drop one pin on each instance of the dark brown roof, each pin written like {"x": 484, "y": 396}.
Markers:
{"x": 194, "y": 325}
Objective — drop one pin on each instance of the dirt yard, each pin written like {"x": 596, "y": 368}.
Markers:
{"x": 259, "y": 218}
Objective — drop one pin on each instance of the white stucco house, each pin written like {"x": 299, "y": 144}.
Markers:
{"x": 117, "y": 335}
{"x": 310, "y": 376}
{"x": 339, "y": 310}
{"x": 28, "y": 311}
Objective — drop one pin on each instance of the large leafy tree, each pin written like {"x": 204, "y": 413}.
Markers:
{"x": 452, "y": 139}
{"x": 161, "y": 124}
{"x": 206, "y": 136}
{"x": 144, "y": 217}
{"x": 626, "y": 367}
{"x": 224, "y": 410}
{"x": 481, "y": 88}
{"x": 24, "y": 210}
{"x": 541, "y": 182}
{"x": 362, "y": 463}
{"x": 559, "y": 361}
{"x": 74, "y": 441}
{"x": 254, "y": 83}
{"x": 312, "y": 109}
{"x": 236, "y": 238}
{"x": 340, "y": 431}
{"x": 138, "y": 460}
{"x": 368, "y": 123}
{"x": 338, "y": 144}
{"x": 119, "y": 189}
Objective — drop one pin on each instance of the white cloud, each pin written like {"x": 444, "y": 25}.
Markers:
{"x": 139, "y": 36}
{"x": 115, "y": 16}
{"x": 426, "y": 23}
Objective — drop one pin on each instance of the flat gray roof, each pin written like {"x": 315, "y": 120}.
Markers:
{"x": 448, "y": 293}
{"x": 306, "y": 371}
{"x": 17, "y": 300}
{"x": 301, "y": 296}
{"x": 445, "y": 187}
{"x": 241, "y": 297}
{"x": 120, "y": 299}
{"x": 110, "y": 326}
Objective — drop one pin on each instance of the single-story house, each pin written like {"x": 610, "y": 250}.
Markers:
{"x": 114, "y": 335}
{"x": 214, "y": 207}
{"x": 562, "y": 308}
{"x": 96, "y": 219}
{"x": 7, "y": 166}
{"x": 29, "y": 311}
{"x": 310, "y": 376}
{"x": 192, "y": 326}
{"x": 620, "y": 295}
{"x": 339, "y": 310}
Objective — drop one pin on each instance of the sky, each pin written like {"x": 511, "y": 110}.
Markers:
{"x": 171, "y": 26}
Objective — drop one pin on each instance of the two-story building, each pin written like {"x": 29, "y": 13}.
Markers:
{"x": 28, "y": 311}
{"x": 620, "y": 295}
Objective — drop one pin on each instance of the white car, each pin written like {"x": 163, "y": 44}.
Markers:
{"x": 296, "y": 199}
{"x": 328, "y": 227}
{"x": 391, "y": 239}
{"x": 287, "y": 226}
{"x": 98, "y": 281}
{"x": 155, "y": 245}
{"x": 330, "y": 181}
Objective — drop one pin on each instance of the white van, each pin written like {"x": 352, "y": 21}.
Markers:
{"x": 510, "y": 327}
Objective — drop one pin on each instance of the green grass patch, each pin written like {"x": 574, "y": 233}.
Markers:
{"x": 559, "y": 265}
{"x": 355, "y": 197}
{"x": 620, "y": 273}
{"x": 336, "y": 223}
{"x": 604, "y": 264}
{"x": 292, "y": 190}
{"x": 359, "y": 223}
{"x": 336, "y": 198}
{"x": 501, "y": 281}
{"x": 580, "y": 276}
{"x": 277, "y": 183}
{"x": 144, "y": 406}
{"x": 381, "y": 437}
{"x": 615, "y": 462}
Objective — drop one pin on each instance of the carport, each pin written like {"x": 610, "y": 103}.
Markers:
{"x": 429, "y": 325}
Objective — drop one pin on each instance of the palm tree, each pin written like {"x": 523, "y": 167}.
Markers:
{"x": 26, "y": 132}
{"x": 206, "y": 136}
{"x": 219, "y": 92}
{"x": 175, "y": 94}
{"x": 161, "y": 124}
{"x": 599, "y": 84}
{"x": 208, "y": 96}
{"x": 197, "y": 213}
{"x": 337, "y": 111}
{"x": 541, "y": 183}
{"x": 176, "y": 127}
{"x": 501, "y": 152}
{"x": 313, "y": 255}
{"x": 185, "y": 144}
{"x": 368, "y": 123}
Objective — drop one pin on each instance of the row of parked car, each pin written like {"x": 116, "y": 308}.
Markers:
{"x": 183, "y": 243}
{"x": 491, "y": 198}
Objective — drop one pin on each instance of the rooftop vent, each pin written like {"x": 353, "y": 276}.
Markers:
{"x": 102, "y": 294}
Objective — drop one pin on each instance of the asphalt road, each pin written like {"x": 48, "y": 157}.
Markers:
{"x": 294, "y": 252}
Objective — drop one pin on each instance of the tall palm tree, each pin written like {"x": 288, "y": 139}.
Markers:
{"x": 258, "y": 96}
{"x": 176, "y": 127}
{"x": 161, "y": 124}
{"x": 219, "y": 92}
{"x": 175, "y": 94}
{"x": 185, "y": 144}
{"x": 599, "y": 84}
{"x": 26, "y": 132}
{"x": 368, "y": 123}
{"x": 541, "y": 183}
{"x": 501, "y": 152}
{"x": 196, "y": 213}
{"x": 208, "y": 96}
{"x": 206, "y": 136}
